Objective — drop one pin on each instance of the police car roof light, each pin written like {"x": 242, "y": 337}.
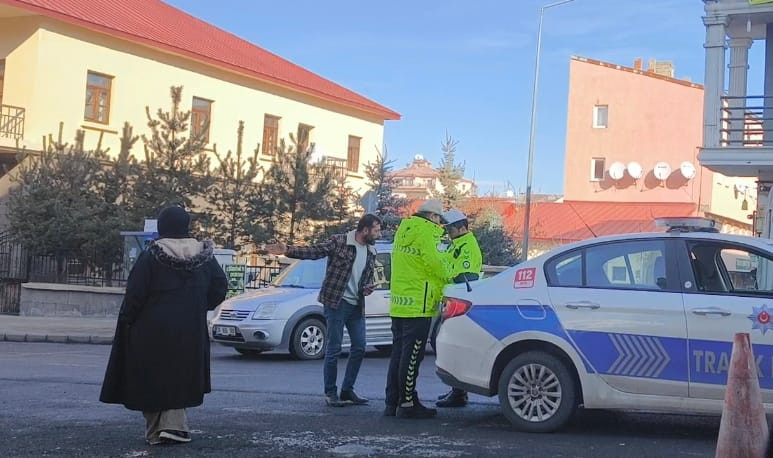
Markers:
{"x": 687, "y": 224}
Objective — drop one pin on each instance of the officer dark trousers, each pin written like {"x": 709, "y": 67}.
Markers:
{"x": 409, "y": 342}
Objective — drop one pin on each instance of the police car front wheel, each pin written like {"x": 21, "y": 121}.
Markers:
{"x": 537, "y": 392}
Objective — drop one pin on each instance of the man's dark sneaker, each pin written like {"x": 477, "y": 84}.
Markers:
{"x": 390, "y": 411}
{"x": 351, "y": 397}
{"x": 177, "y": 436}
{"x": 454, "y": 400}
{"x": 333, "y": 400}
{"x": 416, "y": 411}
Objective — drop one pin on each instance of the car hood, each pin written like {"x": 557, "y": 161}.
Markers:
{"x": 251, "y": 300}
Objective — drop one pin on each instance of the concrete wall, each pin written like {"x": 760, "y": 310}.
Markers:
{"x": 49, "y": 299}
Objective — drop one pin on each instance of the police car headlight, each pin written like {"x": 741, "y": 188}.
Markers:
{"x": 265, "y": 311}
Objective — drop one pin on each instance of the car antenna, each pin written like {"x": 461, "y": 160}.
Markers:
{"x": 469, "y": 288}
{"x": 581, "y": 219}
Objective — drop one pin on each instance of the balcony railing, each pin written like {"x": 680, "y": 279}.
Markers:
{"x": 746, "y": 121}
{"x": 11, "y": 122}
{"x": 336, "y": 165}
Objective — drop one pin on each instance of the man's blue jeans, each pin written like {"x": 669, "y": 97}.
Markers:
{"x": 352, "y": 317}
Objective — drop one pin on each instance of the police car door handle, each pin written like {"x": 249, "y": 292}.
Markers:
{"x": 711, "y": 311}
{"x": 388, "y": 296}
{"x": 582, "y": 305}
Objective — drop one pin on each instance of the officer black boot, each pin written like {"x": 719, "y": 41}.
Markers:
{"x": 457, "y": 398}
{"x": 445, "y": 395}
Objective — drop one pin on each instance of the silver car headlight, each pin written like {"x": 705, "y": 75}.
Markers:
{"x": 265, "y": 311}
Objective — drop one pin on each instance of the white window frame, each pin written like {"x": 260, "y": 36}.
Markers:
{"x": 596, "y": 110}
{"x": 593, "y": 162}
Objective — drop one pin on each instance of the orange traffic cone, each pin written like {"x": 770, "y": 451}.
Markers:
{"x": 743, "y": 431}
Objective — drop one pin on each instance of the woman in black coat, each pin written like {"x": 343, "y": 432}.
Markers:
{"x": 159, "y": 363}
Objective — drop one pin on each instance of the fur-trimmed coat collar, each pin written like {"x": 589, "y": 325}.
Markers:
{"x": 182, "y": 254}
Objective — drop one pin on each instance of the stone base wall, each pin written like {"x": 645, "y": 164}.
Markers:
{"x": 51, "y": 299}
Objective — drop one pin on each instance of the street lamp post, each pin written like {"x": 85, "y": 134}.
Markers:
{"x": 532, "y": 132}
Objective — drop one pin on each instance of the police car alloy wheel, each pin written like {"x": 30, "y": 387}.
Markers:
{"x": 537, "y": 392}
{"x": 309, "y": 339}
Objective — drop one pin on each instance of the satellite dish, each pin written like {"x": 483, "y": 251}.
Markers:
{"x": 687, "y": 169}
{"x": 616, "y": 170}
{"x": 662, "y": 171}
{"x": 635, "y": 170}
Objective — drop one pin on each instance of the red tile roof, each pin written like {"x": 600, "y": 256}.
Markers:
{"x": 154, "y": 23}
{"x": 572, "y": 220}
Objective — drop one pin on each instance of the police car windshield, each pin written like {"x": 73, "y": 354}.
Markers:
{"x": 303, "y": 274}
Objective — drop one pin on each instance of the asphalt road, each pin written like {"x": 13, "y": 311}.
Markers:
{"x": 272, "y": 406}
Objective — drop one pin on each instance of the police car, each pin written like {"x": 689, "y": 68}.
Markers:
{"x": 635, "y": 322}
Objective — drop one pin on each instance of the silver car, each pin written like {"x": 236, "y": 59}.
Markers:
{"x": 286, "y": 316}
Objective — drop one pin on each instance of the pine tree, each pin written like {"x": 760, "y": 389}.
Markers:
{"x": 235, "y": 186}
{"x": 175, "y": 170}
{"x": 297, "y": 193}
{"x": 341, "y": 219}
{"x": 114, "y": 186}
{"x": 55, "y": 210}
{"x": 450, "y": 173}
{"x": 380, "y": 181}
{"x": 498, "y": 246}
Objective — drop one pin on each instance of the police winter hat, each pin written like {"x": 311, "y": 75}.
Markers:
{"x": 432, "y": 206}
{"x": 173, "y": 223}
{"x": 453, "y": 216}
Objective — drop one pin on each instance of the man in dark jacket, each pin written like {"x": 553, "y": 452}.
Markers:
{"x": 348, "y": 279}
{"x": 159, "y": 363}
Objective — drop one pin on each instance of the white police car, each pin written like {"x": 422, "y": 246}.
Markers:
{"x": 635, "y": 322}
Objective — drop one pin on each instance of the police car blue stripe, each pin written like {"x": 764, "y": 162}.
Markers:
{"x": 633, "y": 355}
{"x": 504, "y": 320}
{"x": 710, "y": 362}
{"x": 628, "y": 355}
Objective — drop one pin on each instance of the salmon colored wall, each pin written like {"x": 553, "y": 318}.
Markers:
{"x": 649, "y": 120}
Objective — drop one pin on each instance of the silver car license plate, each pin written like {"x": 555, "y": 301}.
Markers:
{"x": 225, "y": 331}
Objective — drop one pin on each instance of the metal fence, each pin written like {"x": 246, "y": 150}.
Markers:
{"x": 18, "y": 265}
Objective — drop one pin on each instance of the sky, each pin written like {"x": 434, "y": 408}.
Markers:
{"x": 467, "y": 67}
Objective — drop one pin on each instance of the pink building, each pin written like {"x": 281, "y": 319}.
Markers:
{"x": 633, "y": 136}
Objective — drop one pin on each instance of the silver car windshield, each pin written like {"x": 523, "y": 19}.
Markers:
{"x": 303, "y": 274}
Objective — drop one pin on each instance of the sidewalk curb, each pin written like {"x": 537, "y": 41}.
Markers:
{"x": 38, "y": 338}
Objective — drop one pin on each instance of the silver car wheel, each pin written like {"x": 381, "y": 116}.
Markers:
{"x": 534, "y": 392}
{"x": 312, "y": 340}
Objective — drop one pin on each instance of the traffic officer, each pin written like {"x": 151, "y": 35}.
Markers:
{"x": 465, "y": 263}
{"x": 419, "y": 274}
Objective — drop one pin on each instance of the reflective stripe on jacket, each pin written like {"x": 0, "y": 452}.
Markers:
{"x": 464, "y": 258}
{"x": 419, "y": 271}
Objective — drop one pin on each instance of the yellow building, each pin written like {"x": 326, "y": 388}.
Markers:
{"x": 95, "y": 64}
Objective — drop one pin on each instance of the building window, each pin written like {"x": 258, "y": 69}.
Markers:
{"x": 597, "y": 169}
{"x": 270, "y": 134}
{"x": 304, "y": 132}
{"x": 97, "y": 98}
{"x": 201, "y": 116}
{"x": 2, "y": 77}
{"x": 600, "y": 116}
{"x": 353, "y": 154}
